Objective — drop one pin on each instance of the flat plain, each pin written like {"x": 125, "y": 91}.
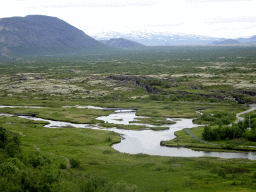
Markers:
{"x": 161, "y": 82}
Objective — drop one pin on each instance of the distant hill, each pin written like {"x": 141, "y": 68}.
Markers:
{"x": 121, "y": 43}
{"x": 169, "y": 39}
{"x": 159, "y": 38}
{"x": 226, "y": 42}
{"x": 248, "y": 40}
{"x": 36, "y": 34}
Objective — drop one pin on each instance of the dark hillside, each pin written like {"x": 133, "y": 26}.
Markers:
{"x": 35, "y": 33}
{"x": 226, "y": 42}
{"x": 122, "y": 43}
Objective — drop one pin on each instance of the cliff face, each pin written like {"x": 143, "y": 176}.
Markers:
{"x": 37, "y": 31}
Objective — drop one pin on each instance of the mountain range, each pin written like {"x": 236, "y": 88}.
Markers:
{"x": 121, "y": 43}
{"x": 159, "y": 39}
{"x": 43, "y": 34}
{"x": 250, "y": 40}
{"x": 226, "y": 42}
{"x": 40, "y": 35}
{"x": 166, "y": 38}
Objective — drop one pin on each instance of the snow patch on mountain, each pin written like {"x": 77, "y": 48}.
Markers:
{"x": 159, "y": 38}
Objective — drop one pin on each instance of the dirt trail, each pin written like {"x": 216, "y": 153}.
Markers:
{"x": 36, "y": 148}
{"x": 197, "y": 138}
{"x": 253, "y": 107}
{"x": 68, "y": 161}
{"x": 19, "y": 133}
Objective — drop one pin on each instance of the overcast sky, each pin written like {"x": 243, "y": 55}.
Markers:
{"x": 215, "y": 18}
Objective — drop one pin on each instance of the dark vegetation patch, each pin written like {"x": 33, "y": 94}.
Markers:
{"x": 236, "y": 132}
{"x": 158, "y": 86}
{"x": 36, "y": 171}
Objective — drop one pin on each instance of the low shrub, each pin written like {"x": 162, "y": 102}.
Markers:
{"x": 37, "y": 159}
{"x": 7, "y": 168}
{"x": 63, "y": 166}
{"x": 74, "y": 163}
{"x": 108, "y": 139}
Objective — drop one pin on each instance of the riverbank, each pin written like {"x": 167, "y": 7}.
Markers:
{"x": 92, "y": 148}
{"x": 126, "y": 121}
{"x": 183, "y": 139}
{"x": 192, "y": 138}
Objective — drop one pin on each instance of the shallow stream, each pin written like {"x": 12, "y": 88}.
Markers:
{"x": 146, "y": 141}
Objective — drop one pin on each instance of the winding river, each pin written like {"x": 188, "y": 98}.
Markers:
{"x": 145, "y": 141}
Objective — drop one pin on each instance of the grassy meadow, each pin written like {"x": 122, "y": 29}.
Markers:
{"x": 162, "y": 82}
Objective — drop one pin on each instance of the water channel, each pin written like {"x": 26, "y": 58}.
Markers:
{"x": 145, "y": 141}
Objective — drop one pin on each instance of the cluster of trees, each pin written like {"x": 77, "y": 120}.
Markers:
{"x": 36, "y": 172}
{"x": 165, "y": 96}
{"x": 218, "y": 118}
{"x": 239, "y": 130}
{"x": 9, "y": 145}
{"x": 157, "y": 82}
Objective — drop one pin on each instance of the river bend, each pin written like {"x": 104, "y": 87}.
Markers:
{"x": 145, "y": 141}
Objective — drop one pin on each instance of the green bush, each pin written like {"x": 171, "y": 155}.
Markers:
{"x": 207, "y": 133}
{"x": 63, "y": 166}
{"x": 39, "y": 180}
{"x": 222, "y": 173}
{"x": 250, "y": 135}
{"x": 108, "y": 139}
{"x": 16, "y": 162}
{"x": 37, "y": 159}
{"x": 157, "y": 82}
{"x": 7, "y": 168}
{"x": 74, "y": 163}
{"x": 3, "y": 138}
{"x": 10, "y": 144}
{"x": 11, "y": 149}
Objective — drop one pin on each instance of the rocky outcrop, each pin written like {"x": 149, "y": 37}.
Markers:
{"x": 135, "y": 80}
{"x": 224, "y": 96}
{"x": 251, "y": 93}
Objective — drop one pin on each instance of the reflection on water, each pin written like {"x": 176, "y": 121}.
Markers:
{"x": 119, "y": 118}
{"x": 146, "y": 141}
